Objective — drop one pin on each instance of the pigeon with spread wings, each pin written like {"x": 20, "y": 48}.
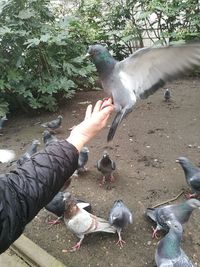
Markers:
{"x": 141, "y": 74}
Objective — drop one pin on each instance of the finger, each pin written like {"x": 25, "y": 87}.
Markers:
{"x": 106, "y": 102}
{"x": 88, "y": 112}
{"x": 105, "y": 112}
{"x": 97, "y": 107}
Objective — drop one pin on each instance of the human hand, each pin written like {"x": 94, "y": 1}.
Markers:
{"x": 95, "y": 120}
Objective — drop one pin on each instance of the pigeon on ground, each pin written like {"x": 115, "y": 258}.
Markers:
{"x": 141, "y": 74}
{"x": 53, "y": 125}
{"x": 169, "y": 252}
{"x": 6, "y": 155}
{"x": 2, "y": 121}
{"x": 82, "y": 161}
{"x": 179, "y": 212}
{"x": 32, "y": 149}
{"x": 48, "y": 138}
{"x": 119, "y": 217}
{"x": 81, "y": 222}
{"x": 106, "y": 166}
{"x": 167, "y": 95}
{"x": 57, "y": 206}
{"x": 192, "y": 175}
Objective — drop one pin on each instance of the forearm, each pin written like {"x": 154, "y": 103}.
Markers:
{"x": 30, "y": 187}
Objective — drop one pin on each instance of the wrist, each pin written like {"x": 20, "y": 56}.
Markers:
{"x": 77, "y": 140}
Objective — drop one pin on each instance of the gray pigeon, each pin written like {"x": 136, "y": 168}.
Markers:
{"x": 141, "y": 74}
{"x": 2, "y": 121}
{"x": 192, "y": 175}
{"x": 167, "y": 95}
{"x": 106, "y": 166}
{"x": 81, "y": 222}
{"x": 32, "y": 149}
{"x": 53, "y": 125}
{"x": 119, "y": 217}
{"x": 48, "y": 138}
{"x": 82, "y": 161}
{"x": 179, "y": 212}
{"x": 169, "y": 252}
{"x": 57, "y": 206}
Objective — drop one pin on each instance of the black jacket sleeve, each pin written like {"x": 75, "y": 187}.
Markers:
{"x": 24, "y": 191}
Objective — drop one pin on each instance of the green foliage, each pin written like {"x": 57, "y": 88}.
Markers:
{"x": 42, "y": 48}
{"x": 40, "y": 58}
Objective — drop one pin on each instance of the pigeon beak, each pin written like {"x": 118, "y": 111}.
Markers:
{"x": 177, "y": 161}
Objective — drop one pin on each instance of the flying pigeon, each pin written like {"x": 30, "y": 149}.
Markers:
{"x": 32, "y": 149}
{"x": 2, "y": 121}
{"x": 179, "y": 212}
{"x": 106, "y": 166}
{"x": 53, "y": 125}
{"x": 169, "y": 252}
{"x": 119, "y": 217}
{"x": 81, "y": 222}
{"x": 6, "y": 155}
{"x": 192, "y": 175}
{"x": 141, "y": 74}
{"x": 167, "y": 95}
{"x": 57, "y": 206}
{"x": 48, "y": 138}
{"x": 82, "y": 161}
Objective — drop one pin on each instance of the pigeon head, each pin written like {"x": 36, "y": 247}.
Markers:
{"x": 193, "y": 203}
{"x": 102, "y": 59}
{"x": 46, "y": 134}
{"x": 60, "y": 117}
{"x": 85, "y": 150}
{"x": 175, "y": 226}
{"x": 71, "y": 207}
{"x": 106, "y": 155}
{"x": 118, "y": 202}
{"x": 36, "y": 142}
{"x": 183, "y": 160}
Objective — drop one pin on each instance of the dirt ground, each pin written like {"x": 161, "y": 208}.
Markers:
{"x": 145, "y": 148}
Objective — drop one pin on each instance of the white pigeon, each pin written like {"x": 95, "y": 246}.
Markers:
{"x": 81, "y": 222}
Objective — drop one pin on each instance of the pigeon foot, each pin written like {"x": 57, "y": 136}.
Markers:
{"x": 120, "y": 243}
{"x": 155, "y": 233}
{"x": 194, "y": 195}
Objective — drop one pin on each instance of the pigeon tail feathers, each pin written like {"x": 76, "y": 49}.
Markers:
{"x": 117, "y": 120}
{"x": 104, "y": 226}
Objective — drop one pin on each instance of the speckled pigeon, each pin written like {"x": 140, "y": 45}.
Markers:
{"x": 192, "y": 175}
{"x": 32, "y": 149}
{"x": 120, "y": 216}
{"x": 57, "y": 206}
{"x": 48, "y": 138}
{"x": 179, "y": 212}
{"x": 169, "y": 252}
{"x": 141, "y": 74}
{"x": 81, "y": 222}
{"x": 54, "y": 124}
{"x": 106, "y": 166}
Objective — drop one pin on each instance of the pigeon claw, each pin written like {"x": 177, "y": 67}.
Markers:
{"x": 76, "y": 247}
{"x": 155, "y": 233}
{"x": 120, "y": 243}
{"x": 194, "y": 195}
{"x": 54, "y": 222}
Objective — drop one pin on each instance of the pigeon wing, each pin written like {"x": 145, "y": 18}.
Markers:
{"x": 195, "y": 182}
{"x": 149, "y": 68}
